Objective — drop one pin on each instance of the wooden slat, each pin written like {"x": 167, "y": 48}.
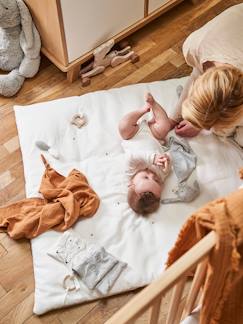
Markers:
{"x": 175, "y": 301}
{"x": 144, "y": 299}
{"x": 195, "y": 287}
{"x": 154, "y": 312}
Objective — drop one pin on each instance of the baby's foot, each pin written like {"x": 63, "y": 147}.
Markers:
{"x": 149, "y": 99}
{"x": 155, "y": 107}
{"x": 145, "y": 109}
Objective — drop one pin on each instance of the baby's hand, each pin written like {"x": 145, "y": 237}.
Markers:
{"x": 162, "y": 160}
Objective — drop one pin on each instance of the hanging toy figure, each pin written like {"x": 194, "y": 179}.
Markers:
{"x": 104, "y": 57}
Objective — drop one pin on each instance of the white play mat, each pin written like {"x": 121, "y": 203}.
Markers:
{"x": 95, "y": 149}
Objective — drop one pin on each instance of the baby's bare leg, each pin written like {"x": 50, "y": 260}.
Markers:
{"x": 128, "y": 126}
{"x": 160, "y": 124}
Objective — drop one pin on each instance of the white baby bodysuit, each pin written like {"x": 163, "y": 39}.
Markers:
{"x": 140, "y": 151}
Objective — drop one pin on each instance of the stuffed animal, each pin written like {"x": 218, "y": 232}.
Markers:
{"x": 19, "y": 46}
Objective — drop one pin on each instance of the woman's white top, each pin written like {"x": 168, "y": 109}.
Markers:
{"x": 221, "y": 40}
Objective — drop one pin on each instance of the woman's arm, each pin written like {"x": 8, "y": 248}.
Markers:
{"x": 176, "y": 117}
{"x": 183, "y": 127}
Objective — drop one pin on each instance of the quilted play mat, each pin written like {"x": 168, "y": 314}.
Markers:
{"x": 136, "y": 247}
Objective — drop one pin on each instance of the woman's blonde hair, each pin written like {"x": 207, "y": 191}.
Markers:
{"x": 215, "y": 99}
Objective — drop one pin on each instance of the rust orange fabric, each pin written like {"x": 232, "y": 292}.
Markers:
{"x": 223, "y": 289}
{"x": 66, "y": 199}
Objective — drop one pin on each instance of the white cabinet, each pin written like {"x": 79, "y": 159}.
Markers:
{"x": 71, "y": 29}
{"x": 156, "y": 4}
{"x": 89, "y": 23}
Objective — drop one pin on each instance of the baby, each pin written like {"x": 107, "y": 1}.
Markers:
{"x": 147, "y": 169}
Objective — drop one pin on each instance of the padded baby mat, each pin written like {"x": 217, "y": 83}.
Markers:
{"x": 95, "y": 149}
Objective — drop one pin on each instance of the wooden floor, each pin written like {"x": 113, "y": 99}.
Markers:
{"x": 159, "y": 47}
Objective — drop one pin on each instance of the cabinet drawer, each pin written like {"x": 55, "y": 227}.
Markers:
{"x": 87, "y": 23}
{"x": 156, "y": 4}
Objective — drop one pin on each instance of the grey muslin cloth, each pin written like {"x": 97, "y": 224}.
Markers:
{"x": 184, "y": 163}
{"x": 97, "y": 268}
{"x": 93, "y": 265}
{"x": 108, "y": 281}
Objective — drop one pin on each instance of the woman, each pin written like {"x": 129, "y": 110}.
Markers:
{"x": 213, "y": 96}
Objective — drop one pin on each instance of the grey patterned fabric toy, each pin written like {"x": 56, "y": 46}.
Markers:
{"x": 19, "y": 46}
{"x": 184, "y": 163}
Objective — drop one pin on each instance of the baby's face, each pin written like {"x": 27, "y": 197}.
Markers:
{"x": 147, "y": 181}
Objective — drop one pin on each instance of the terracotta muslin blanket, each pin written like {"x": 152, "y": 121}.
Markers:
{"x": 223, "y": 289}
{"x": 66, "y": 199}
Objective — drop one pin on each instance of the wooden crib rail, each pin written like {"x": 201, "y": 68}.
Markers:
{"x": 175, "y": 275}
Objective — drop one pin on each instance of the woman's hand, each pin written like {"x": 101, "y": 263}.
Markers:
{"x": 185, "y": 129}
{"x": 173, "y": 123}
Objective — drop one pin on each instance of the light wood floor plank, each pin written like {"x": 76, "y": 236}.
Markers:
{"x": 2, "y": 291}
{"x": 67, "y": 317}
{"x": 3, "y": 251}
{"x": 12, "y": 144}
{"x": 21, "y": 312}
{"x": 5, "y": 179}
{"x": 15, "y": 297}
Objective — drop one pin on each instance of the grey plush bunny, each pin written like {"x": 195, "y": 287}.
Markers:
{"x": 19, "y": 46}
